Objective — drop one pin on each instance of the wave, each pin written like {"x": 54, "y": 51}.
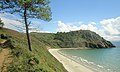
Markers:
{"x": 91, "y": 65}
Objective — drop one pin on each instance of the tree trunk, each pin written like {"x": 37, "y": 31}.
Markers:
{"x": 27, "y": 30}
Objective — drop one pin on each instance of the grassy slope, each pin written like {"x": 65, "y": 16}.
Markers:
{"x": 21, "y": 55}
{"x": 47, "y": 39}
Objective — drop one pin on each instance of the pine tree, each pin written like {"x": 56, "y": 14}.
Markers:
{"x": 28, "y": 9}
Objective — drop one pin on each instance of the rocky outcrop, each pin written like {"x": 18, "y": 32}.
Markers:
{"x": 82, "y": 38}
{"x": 4, "y": 36}
{"x": 6, "y": 42}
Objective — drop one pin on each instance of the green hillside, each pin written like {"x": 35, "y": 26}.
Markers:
{"x": 73, "y": 39}
{"x": 47, "y": 39}
{"x": 39, "y": 60}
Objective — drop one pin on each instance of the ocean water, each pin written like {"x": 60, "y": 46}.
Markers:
{"x": 99, "y": 60}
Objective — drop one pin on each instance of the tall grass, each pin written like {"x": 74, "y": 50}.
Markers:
{"x": 21, "y": 55}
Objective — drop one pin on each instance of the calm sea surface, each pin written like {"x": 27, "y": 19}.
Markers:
{"x": 100, "y": 60}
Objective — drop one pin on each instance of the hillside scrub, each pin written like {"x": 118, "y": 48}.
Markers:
{"x": 39, "y": 60}
{"x": 73, "y": 39}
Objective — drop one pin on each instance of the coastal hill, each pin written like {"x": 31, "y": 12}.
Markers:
{"x": 16, "y": 57}
{"x": 73, "y": 39}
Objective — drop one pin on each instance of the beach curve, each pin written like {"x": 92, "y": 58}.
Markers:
{"x": 70, "y": 65}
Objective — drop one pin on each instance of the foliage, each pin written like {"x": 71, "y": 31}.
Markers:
{"x": 21, "y": 55}
{"x": 81, "y": 38}
{"x": 35, "y": 8}
{"x": 45, "y": 62}
{"x": 73, "y": 39}
{"x": 28, "y": 9}
{"x": 47, "y": 39}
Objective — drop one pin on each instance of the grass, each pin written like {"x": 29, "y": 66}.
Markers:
{"x": 1, "y": 40}
{"x": 0, "y": 49}
{"x": 47, "y": 39}
{"x": 21, "y": 55}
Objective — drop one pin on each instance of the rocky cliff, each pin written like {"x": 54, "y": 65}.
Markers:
{"x": 81, "y": 38}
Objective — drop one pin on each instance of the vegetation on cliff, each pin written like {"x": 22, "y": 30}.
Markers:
{"x": 73, "y": 39}
{"x": 39, "y": 60}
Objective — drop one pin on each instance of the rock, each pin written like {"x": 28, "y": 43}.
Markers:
{"x": 6, "y": 43}
{"x": 33, "y": 61}
{"x": 3, "y": 36}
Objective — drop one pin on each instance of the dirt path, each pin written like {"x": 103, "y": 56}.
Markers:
{"x": 4, "y": 54}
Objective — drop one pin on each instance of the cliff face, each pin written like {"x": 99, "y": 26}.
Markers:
{"x": 81, "y": 38}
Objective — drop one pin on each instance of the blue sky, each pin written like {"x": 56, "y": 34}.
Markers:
{"x": 100, "y": 16}
{"x": 82, "y": 11}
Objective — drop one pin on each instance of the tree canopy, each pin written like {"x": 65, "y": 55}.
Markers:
{"x": 35, "y": 8}
{"x": 28, "y": 9}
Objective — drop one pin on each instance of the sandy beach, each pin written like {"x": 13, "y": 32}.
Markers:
{"x": 70, "y": 65}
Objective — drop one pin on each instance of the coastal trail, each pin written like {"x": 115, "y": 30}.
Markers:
{"x": 4, "y": 55}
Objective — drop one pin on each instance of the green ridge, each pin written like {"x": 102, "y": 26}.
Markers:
{"x": 73, "y": 39}
{"x": 41, "y": 59}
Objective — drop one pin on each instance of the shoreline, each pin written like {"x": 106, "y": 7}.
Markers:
{"x": 69, "y": 65}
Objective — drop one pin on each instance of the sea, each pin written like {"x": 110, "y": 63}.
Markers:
{"x": 99, "y": 60}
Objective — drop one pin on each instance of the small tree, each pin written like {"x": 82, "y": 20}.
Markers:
{"x": 28, "y": 9}
{"x": 1, "y": 23}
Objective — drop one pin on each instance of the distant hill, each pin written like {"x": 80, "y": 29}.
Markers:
{"x": 73, "y": 39}
{"x": 116, "y": 43}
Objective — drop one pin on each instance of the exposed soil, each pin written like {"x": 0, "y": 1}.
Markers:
{"x": 4, "y": 59}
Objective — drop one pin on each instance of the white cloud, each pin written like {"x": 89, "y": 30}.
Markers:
{"x": 35, "y": 29}
{"x": 11, "y": 22}
{"x": 112, "y": 26}
{"x": 109, "y": 28}
{"x": 62, "y": 27}
{"x": 15, "y": 22}
{"x": 66, "y": 27}
{"x": 88, "y": 27}
{"x": 93, "y": 23}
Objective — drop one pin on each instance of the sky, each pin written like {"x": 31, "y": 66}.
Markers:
{"x": 100, "y": 16}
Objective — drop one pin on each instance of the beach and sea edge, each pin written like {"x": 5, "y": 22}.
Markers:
{"x": 70, "y": 65}
{"x": 89, "y": 60}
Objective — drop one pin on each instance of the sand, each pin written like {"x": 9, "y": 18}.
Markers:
{"x": 69, "y": 65}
